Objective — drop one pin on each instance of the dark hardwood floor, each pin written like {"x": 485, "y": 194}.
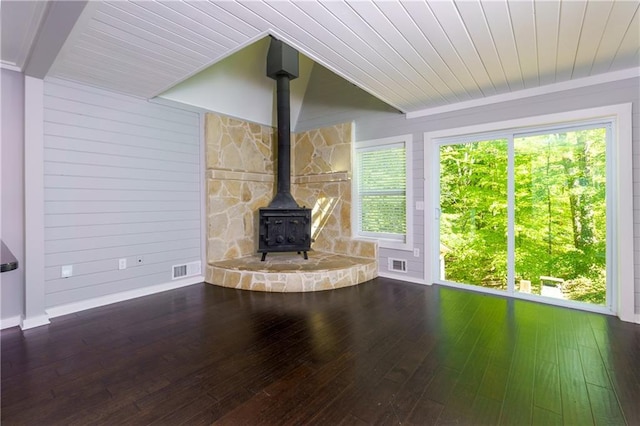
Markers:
{"x": 384, "y": 352}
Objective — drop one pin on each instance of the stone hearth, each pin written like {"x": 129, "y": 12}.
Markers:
{"x": 289, "y": 272}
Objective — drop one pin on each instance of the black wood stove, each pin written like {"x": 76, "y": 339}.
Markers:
{"x": 283, "y": 225}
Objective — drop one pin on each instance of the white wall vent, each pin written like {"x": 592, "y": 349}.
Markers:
{"x": 186, "y": 270}
{"x": 398, "y": 265}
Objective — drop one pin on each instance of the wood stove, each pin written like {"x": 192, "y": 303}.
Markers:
{"x": 283, "y": 226}
{"x": 283, "y": 230}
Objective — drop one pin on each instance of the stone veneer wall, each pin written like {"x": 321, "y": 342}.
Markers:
{"x": 322, "y": 181}
{"x": 240, "y": 180}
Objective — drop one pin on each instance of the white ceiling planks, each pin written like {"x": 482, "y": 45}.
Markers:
{"x": 435, "y": 70}
{"x": 571, "y": 18}
{"x": 391, "y": 84}
{"x": 499, "y": 21}
{"x": 142, "y": 25}
{"x": 190, "y": 23}
{"x": 449, "y": 19}
{"x": 233, "y": 23}
{"x": 116, "y": 32}
{"x": 413, "y": 55}
{"x": 593, "y": 25}
{"x": 386, "y": 82}
{"x": 627, "y": 53}
{"x": 522, "y": 15}
{"x": 393, "y": 41}
{"x": 426, "y": 20}
{"x": 475, "y": 22}
{"x": 623, "y": 22}
{"x": 546, "y": 31}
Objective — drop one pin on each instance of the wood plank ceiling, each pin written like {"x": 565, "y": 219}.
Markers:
{"x": 411, "y": 54}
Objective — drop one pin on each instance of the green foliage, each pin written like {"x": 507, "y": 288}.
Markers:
{"x": 384, "y": 214}
{"x": 473, "y": 202}
{"x": 587, "y": 289}
{"x": 560, "y": 211}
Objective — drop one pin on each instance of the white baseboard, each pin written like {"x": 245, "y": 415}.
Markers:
{"x": 27, "y": 323}
{"x": 9, "y": 322}
{"x": 637, "y": 318}
{"x": 402, "y": 278}
{"x": 70, "y": 308}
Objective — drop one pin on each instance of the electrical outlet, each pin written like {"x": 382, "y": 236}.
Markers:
{"x": 416, "y": 252}
{"x": 419, "y": 205}
{"x": 66, "y": 271}
{"x": 139, "y": 260}
{"x": 122, "y": 263}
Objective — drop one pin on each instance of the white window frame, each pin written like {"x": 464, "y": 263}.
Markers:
{"x": 405, "y": 243}
{"x": 619, "y": 185}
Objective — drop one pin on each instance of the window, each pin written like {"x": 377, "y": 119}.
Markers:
{"x": 382, "y": 187}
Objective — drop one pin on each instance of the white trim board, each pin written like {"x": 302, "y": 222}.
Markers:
{"x": 399, "y": 277}
{"x": 96, "y": 302}
{"x": 9, "y": 322}
{"x": 528, "y": 93}
{"x": 34, "y": 321}
{"x": 34, "y": 310}
{"x": 10, "y": 66}
{"x": 203, "y": 190}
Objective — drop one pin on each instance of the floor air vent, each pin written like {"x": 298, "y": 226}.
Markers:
{"x": 186, "y": 270}
{"x": 398, "y": 265}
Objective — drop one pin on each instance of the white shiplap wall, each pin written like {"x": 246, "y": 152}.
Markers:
{"x": 122, "y": 180}
{"x": 372, "y": 121}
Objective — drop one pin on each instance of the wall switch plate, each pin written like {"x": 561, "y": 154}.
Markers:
{"x": 122, "y": 263}
{"x": 66, "y": 271}
{"x": 416, "y": 252}
{"x": 139, "y": 260}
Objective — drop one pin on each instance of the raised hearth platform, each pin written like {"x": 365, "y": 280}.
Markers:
{"x": 289, "y": 272}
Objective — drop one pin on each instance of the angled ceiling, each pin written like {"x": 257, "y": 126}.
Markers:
{"x": 238, "y": 86}
{"x": 413, "y": 55}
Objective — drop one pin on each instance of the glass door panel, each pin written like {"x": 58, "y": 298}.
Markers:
{"x": 560, "y": 215}
{"x": 473, "y": 213}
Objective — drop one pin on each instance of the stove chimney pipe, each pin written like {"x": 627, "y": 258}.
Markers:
{"x": 282, "y": 66}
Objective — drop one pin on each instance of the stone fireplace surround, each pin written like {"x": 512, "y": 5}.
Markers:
{"x": 240, "y": 179}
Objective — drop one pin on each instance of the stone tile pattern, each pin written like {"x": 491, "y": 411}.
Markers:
{"x": 241, "y": 179}
{"x": 322, "y": 181}
{"x": 289, "y": 272}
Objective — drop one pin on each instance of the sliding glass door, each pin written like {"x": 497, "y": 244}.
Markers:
{"x": 526, "y": 213}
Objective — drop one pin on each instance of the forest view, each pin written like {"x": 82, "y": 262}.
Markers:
{"x": 560, "y": 214}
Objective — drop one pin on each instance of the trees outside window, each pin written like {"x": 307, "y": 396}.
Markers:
{"x": 558, "y": 211}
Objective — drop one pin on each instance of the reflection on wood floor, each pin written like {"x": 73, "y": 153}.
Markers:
{"x": 385, "y": 352}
